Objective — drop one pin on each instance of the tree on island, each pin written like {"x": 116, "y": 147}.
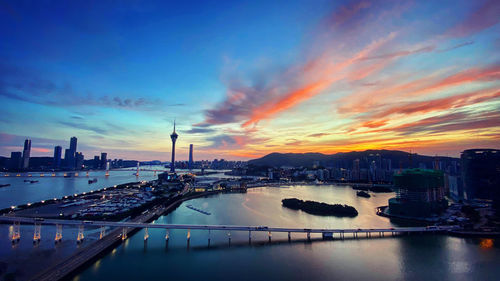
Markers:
{"x": 320, "y": 208}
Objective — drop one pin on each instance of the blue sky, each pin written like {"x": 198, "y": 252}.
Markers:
{"x": 242, "y": 78}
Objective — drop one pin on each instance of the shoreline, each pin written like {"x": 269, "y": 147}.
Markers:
{"x": 69, "y": 267}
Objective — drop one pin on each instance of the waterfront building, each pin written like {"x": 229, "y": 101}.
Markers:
{"x": 16, "y": 160}
{"x": 67, "y": 157}
{"x": 104, "y": 160}
{"x": 26, "y": 153}
{"x": 57, "y": 157}
{"x": 190, "y": 163}
{"x": 73, "y": 144}
{"x": 70, "y": 155}
{"x": 97, "y": 162}
{"x": 79, "y": 161}
{"x": 481, "y": 174}
{"x": 174, "y": 137}
{"x": 419, "y": 193}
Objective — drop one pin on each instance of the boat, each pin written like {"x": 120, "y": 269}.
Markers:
{"x": 5, "y": 184}
{"x": 198, "y": 210}
{"x": 92, "y": 181}
{"x": 35, "y": 181}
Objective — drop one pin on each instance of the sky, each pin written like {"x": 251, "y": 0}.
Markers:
{"x": 246, "y": 78}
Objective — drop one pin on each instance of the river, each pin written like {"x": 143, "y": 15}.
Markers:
{"x": 415, "y": 257}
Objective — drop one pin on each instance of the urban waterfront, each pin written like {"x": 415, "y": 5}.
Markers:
{"x": 414, "y": 257}
{"x": 21, "y": 192}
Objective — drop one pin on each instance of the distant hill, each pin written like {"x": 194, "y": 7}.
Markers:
{"x": 345, "y": 159}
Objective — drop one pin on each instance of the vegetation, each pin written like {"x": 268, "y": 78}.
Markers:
{"x": 363, "y": 194}
{"x": 319, "y": 208}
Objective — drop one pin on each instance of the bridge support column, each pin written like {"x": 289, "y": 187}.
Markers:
{"x": 16, "y": 232}
{"x": 249, "y": 236}
{"x": 229, "y": 237}
{"x": 167, "y": 235}
{"x": 289, "y": 236}
{"x": 308, "y": 236}
{"x": 37, "y": 235}
{"x": 269, "y": 234}
{"x": 80, "y": 237}
{"x": 102, "y": 233}
{"x": 58, "y": 237}
{"x": 146, "y": 234}
{"x": 124, "y": 233}
{"x": 188, "y": 235}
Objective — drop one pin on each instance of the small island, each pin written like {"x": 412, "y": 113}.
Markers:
{"x": 363, "y": 194}
{"x": 319, "y": 208}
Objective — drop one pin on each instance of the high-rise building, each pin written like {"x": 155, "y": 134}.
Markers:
{"x": 104, "y": 160}
{"x": 72, "y": 144}
{"x": 26, "y": 154}
{"x": 16, "y": 160}
{"x": 67, "y": 158}
{"x": 174, "y": 137}
{"x": 57, "y": 157}
{"x": 481, "y": 174}
{"x": 190, "y": 164}
{"x": 79, "y": 161}
{"x": 71, "y": 161}
{"x": 355, "y": 170}
{"x": 97, "y": 162}
{"x": 419, "y": 193}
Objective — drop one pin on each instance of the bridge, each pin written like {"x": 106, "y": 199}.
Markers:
{"x": 125, "y": 225}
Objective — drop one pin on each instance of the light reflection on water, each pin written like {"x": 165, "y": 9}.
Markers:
{"x": 414, "y": 257}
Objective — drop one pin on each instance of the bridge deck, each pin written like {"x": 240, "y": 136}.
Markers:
{"x": 221, "y": 227}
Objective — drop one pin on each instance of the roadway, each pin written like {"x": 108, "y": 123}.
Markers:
{"x": 132, "y": 224}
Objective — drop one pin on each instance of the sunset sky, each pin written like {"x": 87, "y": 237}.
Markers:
{"x": 246, "y": 78}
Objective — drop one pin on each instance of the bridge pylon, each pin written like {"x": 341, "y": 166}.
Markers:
{"x": 146, "y": 234}
{"x": 58, "y": 237}
{"x": 16, "y": 232}
{"x": 37, "y": 234}
{"x": 103, "y": 232}
{"x": 80, "y": 236}
{"x": 124, "y": 233}
{"x": 270, "y": 235}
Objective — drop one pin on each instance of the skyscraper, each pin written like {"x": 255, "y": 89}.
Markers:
{"x": 104, "y": 160}
{"x": 67, "y": 157}
{"x": 15, "y": 160}
{"x": 79, "y": 160}
{"x": 72, "y": 144}
{"x": 190, "y": 163}
{"x": 26, "y": 154}
{"x": 71, "y": 160}
{"x": 57, "y": 157}
{"x": 481, "y": 174}
{"x": 174, "y": 137}
{"x": 97, "y": 162}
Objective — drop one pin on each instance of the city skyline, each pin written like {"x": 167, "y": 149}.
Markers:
{"x": 248, "y": 79}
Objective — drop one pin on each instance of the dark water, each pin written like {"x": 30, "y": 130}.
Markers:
{"x": 425, "y": 257}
